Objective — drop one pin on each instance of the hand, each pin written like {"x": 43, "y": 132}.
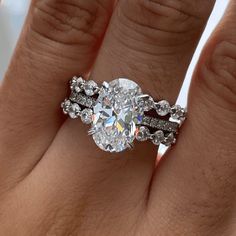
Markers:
{"x": 55, "y": 181}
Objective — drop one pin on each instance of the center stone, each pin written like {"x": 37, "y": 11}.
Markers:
{"x": 116, "y": 115}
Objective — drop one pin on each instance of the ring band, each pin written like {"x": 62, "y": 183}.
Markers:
{"x": 120, "y": 113}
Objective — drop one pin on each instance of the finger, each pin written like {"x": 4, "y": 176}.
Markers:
{"x": 197, "y": 178}
{"x": 157, "y": 46}
{"x": 153, "y": 44}
{"x": 60, "y": 39}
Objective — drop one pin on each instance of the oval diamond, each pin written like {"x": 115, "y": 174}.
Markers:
{"x": 116, "y": 115}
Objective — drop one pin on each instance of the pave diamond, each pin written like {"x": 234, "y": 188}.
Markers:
{"x": 87, "y": 116}
{"x": 115, "y": 115}
{"x": 82, "y": 99}
{"x": 142, "y": 134}
{"x": 76, "y": 84}
{"x": 90, "y": 87}
{"x": 65, "y": 106}
{"x": 158, "y": 137}
{"x": 169, "y": 140}
{"x": 72, "y": 109}
{"x": 177, "y": 112}
{"x": 163, "y": 108}
{"x": 145, "y": 102}
{"x": 156, "y": 123}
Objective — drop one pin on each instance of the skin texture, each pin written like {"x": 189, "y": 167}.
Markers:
{"x": 55, "y": 181}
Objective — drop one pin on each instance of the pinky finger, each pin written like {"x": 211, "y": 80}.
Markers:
{"x": 200, "y": 173}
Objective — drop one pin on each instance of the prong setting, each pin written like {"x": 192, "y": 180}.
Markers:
{"x": 92, "y": 131}
{"x": 130, "y": 146}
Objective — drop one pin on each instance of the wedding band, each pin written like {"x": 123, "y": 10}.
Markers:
{"x": 119, "y": 113}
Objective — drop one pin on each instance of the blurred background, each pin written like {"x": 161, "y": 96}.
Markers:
{"x": 12, "y": 14}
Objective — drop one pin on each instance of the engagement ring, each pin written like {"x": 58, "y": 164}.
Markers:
{"x": 119, "y": 113}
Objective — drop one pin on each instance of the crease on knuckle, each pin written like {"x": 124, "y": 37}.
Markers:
{"x": 66, "y": 22}
{"x": 158, "y": 23}
{"x": 219, "y": 74}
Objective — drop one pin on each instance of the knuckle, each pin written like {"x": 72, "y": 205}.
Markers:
{"x": 164, "y": 23}
{"x": 67, "y": 23}
{"x": 219, "y": 72}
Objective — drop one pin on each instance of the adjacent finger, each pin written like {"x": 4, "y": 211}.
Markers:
{"x": 59, "y": 39}
{"x": 197, "y": 178}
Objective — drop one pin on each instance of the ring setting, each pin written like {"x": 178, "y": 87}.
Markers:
{"x": 119, "y": 114}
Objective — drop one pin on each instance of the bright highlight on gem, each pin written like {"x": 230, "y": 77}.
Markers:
{"x": 115, "y": 115}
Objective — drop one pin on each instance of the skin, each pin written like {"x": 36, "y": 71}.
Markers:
{"x": 55, "y": 181}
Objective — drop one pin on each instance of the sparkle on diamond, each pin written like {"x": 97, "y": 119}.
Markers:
{"x": 116, "y": 115}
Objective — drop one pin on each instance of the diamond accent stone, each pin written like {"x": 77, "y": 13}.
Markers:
{"x": 76, "y": 84}
{"x": 145, "y": 102}
{"x": 90, "y": 87}
{"x": 72, "y": 109}
{"x": 163, "y": 108}
{"x": 65, "y": 106}
{"x": 142, "y": 134}
{"x": 87, "y": 116}
{"x": 158, "y": 137}
{"x": 82, "y": 99}
{"x": 169, "y": 140}
{"x": 177, "y": 112}
{"x": 114, "y": 114}
{"x": 156, "y": 123}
